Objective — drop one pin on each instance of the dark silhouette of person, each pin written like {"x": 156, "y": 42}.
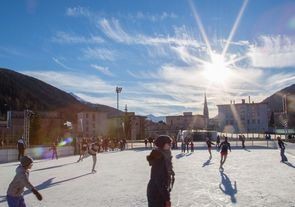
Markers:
{"x": 282, "y": 147}
{"x": 228, "y": 188}
{"x": 21, "y": 148}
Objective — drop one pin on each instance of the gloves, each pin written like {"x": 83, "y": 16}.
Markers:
{"x": 37, "y": 194}
{"x": 167, "y": 204}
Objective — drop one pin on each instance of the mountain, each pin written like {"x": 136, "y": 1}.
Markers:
{"x": 19, "y": 92}
{"x": 153, "y": 118}
{"x": 275, "y": 101}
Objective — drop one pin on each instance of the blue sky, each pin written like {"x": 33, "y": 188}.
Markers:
{"x": 155, "y": 50}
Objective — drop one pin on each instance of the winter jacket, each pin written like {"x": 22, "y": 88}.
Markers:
{"x": 20, "y": 180}
{"x": 159, "y": 184}
{"x": 225, "y": 146}
{"x": 281, "y": 144}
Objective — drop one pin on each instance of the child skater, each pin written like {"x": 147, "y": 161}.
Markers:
{"x": 225, "y": 146}
{"x": 20, "y": 181}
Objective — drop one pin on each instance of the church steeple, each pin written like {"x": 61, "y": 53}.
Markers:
{"x": 205, "y": 111}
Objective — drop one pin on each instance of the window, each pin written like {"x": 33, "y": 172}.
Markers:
{"x": 93, "y": 117}
{"x": 86, "y": 116}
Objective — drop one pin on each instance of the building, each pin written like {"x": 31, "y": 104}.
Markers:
{"x": 243, "y": 117}
{"x": 154, "y": 129}
{"x": 42, "y": 127}
{"x": 126, "y": 125}
{"x": 92, "y": 123}
{"x": 186, "y": 121}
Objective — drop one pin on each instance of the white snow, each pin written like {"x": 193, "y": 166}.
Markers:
{"x": 122, "y": 177}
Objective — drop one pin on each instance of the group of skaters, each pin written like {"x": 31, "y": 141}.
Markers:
{"x": 162, "y": 176}
{"x": 91, "y": 146}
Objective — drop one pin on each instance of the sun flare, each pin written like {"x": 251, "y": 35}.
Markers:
{"x": 216, "y": 70}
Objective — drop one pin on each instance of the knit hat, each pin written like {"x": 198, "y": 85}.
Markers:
{"x": 162, "y": 140}
{"x": 26, "y": 161}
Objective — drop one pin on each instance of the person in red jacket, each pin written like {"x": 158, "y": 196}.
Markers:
{"x": 162, "y": 174}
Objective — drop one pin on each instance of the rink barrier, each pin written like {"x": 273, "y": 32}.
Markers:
{"x": 38, "y": 152}
{"x": 290, "y": 148}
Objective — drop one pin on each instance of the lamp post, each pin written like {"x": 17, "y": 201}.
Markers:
{"x": 118, "y": 90}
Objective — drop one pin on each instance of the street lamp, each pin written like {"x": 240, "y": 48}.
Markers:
{"x": 118, "y": 90}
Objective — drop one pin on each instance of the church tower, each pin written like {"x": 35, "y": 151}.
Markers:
{"x": 206, "y": 112}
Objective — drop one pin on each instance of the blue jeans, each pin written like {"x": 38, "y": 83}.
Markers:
{"x": 283, "y": 156}
{"x": 15, "y": 201}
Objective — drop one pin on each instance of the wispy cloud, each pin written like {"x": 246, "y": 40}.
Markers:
{"x": 273, "y": 52}
{"x": 99, "y": 53}
{"x": 57, "y": 61}
{"x": 66, "y": 38}
{"x": 152, "y": 17}
{"x": 103, "y": 70}
{"x": 73, "y": 82}
{"x": 114, "y": 31}
{"x": 78, "y": 11}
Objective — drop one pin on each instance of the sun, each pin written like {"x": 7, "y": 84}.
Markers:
{"x": 216, "y": 70}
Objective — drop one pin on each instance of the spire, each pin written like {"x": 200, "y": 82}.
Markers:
{"x": 205, "y": 111}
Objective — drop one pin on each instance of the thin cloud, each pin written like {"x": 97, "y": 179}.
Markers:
{"x": 98, "y": 53}
{"x": 273, "y": 52}
{"x": 103, "y": 70}
{"x": 72, "y": 82}
{"x": 66, "y": 38}
{"x": 57, "y": 61}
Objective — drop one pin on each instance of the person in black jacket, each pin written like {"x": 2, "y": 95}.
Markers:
{"x": 282, "y": 147}
{"x": 224, "y": 146}
{"x": 162, "y": 174}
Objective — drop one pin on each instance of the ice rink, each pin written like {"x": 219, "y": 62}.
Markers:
{"x": 252, "y": 177}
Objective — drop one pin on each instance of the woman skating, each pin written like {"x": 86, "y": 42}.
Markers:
{"x": 224, "y": 146}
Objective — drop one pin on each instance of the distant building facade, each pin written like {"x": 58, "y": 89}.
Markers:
{"x": 126, "y": 125}
{"x": 186, "y": 121}
{"x": 243, "y": 117}
{"x": 92, "y": 123}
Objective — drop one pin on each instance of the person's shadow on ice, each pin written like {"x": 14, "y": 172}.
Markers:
{"x": 227, "y": 188}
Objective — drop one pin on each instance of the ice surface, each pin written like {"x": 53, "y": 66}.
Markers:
{"x": 251, "y": 178}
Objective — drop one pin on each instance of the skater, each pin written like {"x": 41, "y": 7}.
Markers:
{"x": 21, "y": 147}
{"x": 192, "y": 146}
{"x": 209, "y": 145}
{"x": 93, "y": 150}
{"x": 54, "y": 150}
{"x": 162, "y": 174}
{"x": 145, "y": 142}
{"x": 217, "y": 141}
{"x": 151, "y": 141}
{"x": 83, "y": 149}
{"x": 183, "y": 147}
{"x": 20, "y": 181}
{"x": 282, "y": 147}
{"x": 225, "y": 146}
{"x": 187, "y": 143}
{"x": 243, "y": 141}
